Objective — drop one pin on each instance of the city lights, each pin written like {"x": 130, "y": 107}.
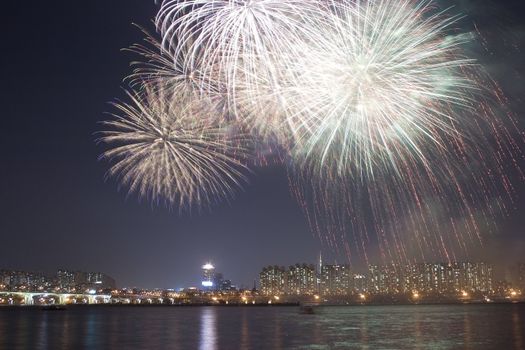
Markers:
{"x": 208, "y": 266}
{"x": 465, "y": 282}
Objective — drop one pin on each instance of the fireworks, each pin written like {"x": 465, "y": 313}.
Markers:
{"x": 243, "y": 47}
{"x": 390, "y": 127}
{"x": 173, "y": 148}
{"x": 384, "y": 86}
{"x": 395, "y": 134}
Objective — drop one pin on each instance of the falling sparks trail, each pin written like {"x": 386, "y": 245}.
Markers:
{"x": 394, "y": 136}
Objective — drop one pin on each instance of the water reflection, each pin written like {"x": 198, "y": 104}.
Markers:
{"x": 418, "y": 337}
{"x": 483, "y": 327}
{"x": 517, "y": 329}
{"x": 278, "y": 334}
{"x": 208, "y": 333}
{"x": 90, "y": 331}
{"x": 65, "y": 332}
{"x": 363, "y": 331}
{"x": 42, "y": 333}
{"x": 245, "y": 336}
{"x": 467, "y": 329}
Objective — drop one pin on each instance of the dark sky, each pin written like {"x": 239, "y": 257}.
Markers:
{"x": 62, "y": 63}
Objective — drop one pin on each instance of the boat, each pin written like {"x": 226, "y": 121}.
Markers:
{"x": 307, "y": 309}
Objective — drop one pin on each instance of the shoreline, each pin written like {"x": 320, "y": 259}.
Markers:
{"x": 258, "y": 305}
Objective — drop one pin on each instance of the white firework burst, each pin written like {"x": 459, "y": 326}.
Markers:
{"x": 396, "y": 132}
{"x": 386, "y": 85}
{"x": 241, "y": 46}
{"x": 172, "y": 148}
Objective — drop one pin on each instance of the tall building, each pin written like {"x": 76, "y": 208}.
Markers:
{"x": 430, "y": 278}
{"x": 385, "y": 279}
{"x": 359, "y": 283}
{"x": 226, "y": 285}
{"x": 67, "y": 279}
{"x": 208, "y": 276}
{"x": 335, "y": 280}
{"x": 217, "y": 281}
{"x": 477, "y": 276}
{"x": 272, "y": 280}
{"x": 301, "y": 280}
{"x": 99, "y": 280}
{"x": 434, "y": 278}
{"x": 318, "y": 272}
{"x": 521, "y": 276}
{"x": 23, "y": 279}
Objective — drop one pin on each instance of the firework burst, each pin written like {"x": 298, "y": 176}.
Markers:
{"x": 172, "y": 148}
{"x": 390, "y": 127}
{"x": 386, "y": 84}
{"x": 241, "y": 46}
{"x": 396, "y": 133}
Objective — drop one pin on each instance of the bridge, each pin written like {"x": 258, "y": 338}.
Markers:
{"x": 58, "y": 298}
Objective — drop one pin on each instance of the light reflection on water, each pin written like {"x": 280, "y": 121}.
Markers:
{"x": 208, "y": 335}
{"x": 518, "y": 329}
{"x": 214, "y": 328}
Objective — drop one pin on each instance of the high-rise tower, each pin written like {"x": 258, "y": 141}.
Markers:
{"x": 319, "y": 270}
{"x": 208, "y": 276}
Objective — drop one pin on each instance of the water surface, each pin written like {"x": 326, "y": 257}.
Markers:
{"x": 358, "y": 327}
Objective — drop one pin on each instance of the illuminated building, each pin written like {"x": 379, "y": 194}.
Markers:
{"x": 318, "y": 272}
{"x": 226, "y": 285}
{"x": 335, "y": 280}
{"x": 478, "y": 277}
{"x": 502, "y": 287}
{"x": 359, "y": 283}
{"x": 99, "y": 280}
{"x": 208, "y": 276}
{"x": 301, "y": 280}
{"x": 434, "y": 278}
{"x": 272, "y": 280}
{"x": 23, "y": 279}
{"x": 521, "y": 276}
{"x": 426, "y": 278}
{"x": 385, "y": 279}
{"x": 218, "y": 278}
{"x": 67, "y": 279}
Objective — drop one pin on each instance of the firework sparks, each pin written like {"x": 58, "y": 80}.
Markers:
{"x": 390, "y": 126}
{"x": 173, "y": 149}
{"x": 242, "y": 46}
{"x": 395, "y": 127}
{"x": 385, "y": 84}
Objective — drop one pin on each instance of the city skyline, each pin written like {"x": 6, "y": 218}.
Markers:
{"x": 320, "y": 275}
{"x": 472, "y": 282}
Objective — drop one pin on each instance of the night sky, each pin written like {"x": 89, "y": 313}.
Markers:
{"x": 62, "y": 63}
